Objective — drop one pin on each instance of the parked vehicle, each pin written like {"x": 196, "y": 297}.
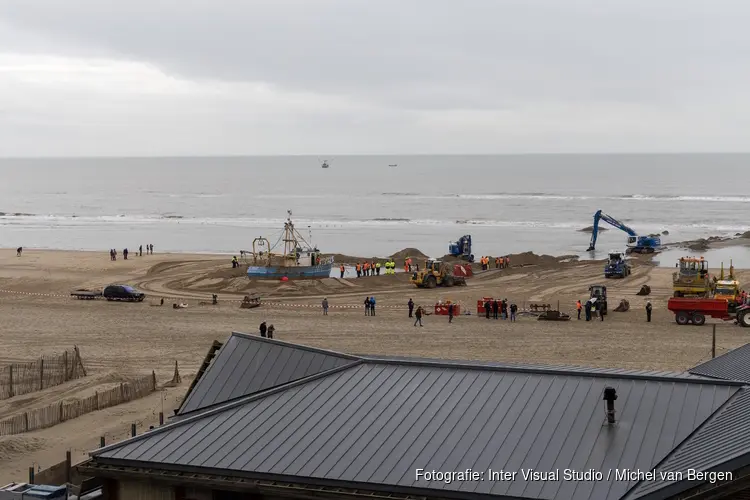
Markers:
{"x": 617, "y": 265}
{"x": 124, "y": 293}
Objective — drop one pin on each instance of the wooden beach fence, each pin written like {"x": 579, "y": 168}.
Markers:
{"x": 48, "y": 371}
{"x": 48, "y": 416}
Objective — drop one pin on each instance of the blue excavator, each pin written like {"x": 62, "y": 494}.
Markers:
{"x": 636, "y": 244}
{"x": 462, "y": 248}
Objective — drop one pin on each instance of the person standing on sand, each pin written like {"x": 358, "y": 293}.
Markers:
{"x": 263, "y": 329}
{"x": 507, "y": 262}
{"x": 125, "y": 254}
{"x": 418, "y": 315}
{"x": 367, "y": 306}
{"x": 513, "y": 310}
{"x": 648, "y": 312}
{"x": 487, "y": 309}
{"x": 325, "y": 307}
{"x": 358, "y": 268}
{"x": 411, "y": 307}
{"x": 504, "y": 308}
{"x": 140, "y": 251}
{"x": 495, "y": 308}
{"x": 600, "y": 310}
{"x": 19, "y": 251}
{"x": 450, "y": 313}
{"x": 271, "y": 329}
{"x": 372, "y": 306}
{"x": 588, "y": 310}
{"x": 342, "y": 269}
{"x": 578, "y": 308}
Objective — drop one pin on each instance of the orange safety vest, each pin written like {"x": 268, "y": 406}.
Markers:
{"x": 367, "y": 265}
{"x": 359, "y": 268}
{"x": 578, "y": 305}
{"x": 342, "y": 268}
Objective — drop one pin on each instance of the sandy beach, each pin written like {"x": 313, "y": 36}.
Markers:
{"x": 122, "y": 340}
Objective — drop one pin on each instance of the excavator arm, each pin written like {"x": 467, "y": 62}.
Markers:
{"x": 599, "y": 216}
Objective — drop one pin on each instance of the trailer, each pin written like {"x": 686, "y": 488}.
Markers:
{"x": 695, "y": 310}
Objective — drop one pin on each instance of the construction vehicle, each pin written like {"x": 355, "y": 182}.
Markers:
{"x": 729, "y": 288}
{"x": 462, "y": 248}
{"x": 635, "y": 244}
{"x": 692, "y": 278}
{"x": 436, "y": 273}
{"x": 598, "y": 296}
{"x": 695, "y": 311}
{"x": 617, "y": 266}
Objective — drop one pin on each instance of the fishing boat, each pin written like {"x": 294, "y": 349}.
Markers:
{"x": 324, "y": 164}
{"x": 299, "y": 260}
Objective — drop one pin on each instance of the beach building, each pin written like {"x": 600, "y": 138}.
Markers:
{"x": 267, "y": 419}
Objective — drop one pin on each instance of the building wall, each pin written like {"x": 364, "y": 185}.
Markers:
{"x": 141, "y": 490}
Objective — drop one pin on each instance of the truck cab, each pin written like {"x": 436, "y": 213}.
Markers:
{"x": 728, "y": 290}
{"x": 692, "y": 278}
{"x": 617, "y": 265}
{"x": 598, "y": 297}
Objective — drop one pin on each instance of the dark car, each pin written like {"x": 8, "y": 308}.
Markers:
{"x": 123, "y": 292}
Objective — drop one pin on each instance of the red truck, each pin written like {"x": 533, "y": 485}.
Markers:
{"x": 695, "y": 310}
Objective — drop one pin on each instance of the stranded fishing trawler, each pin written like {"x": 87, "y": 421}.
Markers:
{"x": 299, "y": 261}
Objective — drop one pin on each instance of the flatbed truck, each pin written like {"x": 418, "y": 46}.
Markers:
{"x": 695, "y": 310}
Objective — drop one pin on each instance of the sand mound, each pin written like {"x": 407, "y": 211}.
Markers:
{"x": 530, "y": 258}
{"x": 12, "y": 446}
{"x": 590, "y": 229}
{"x": 746, "y": 234}
{"x": 409, "y": 252}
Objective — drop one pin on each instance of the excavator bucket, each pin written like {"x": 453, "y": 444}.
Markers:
{"x": 645, "y": 290}
{"x": 553, "y": 316}
{"x": 624, "y": 306}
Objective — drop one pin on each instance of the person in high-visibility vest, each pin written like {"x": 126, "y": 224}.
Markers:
{"x": 342, "y": 269}
{"x": 377, "y": 268}
{"x": 359, "y": 269}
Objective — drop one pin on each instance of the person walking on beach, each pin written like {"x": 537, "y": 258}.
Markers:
{"x": 418, "y": 315}
{"x": 507, "y": 262}
{"x": 513, "y": 310}
{"x": 140, "y": 251}
{"x": 367, "y": 306}
{"x": 271, "y": 329}
{"x": 450, "y": 313}
{"x": 578, "y": 308}
{"x": 372, "y": 306}
{"x": 411, "y": 307}
{"x": 19, "y": 251}
{"x": 358, "y": 268}
{"x": 263, "y": 329}
{"x": 111, "y": 254}
{"x": 648, "y": 312}
{"x": 325, "y": 307}
{"x": 125, "y": 254}
{"x": 495, "y": 308}
{"x": 342, "y": 269}
{"x": 487, "y": 309}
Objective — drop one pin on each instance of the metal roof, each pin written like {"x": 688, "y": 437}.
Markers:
{"x": 247, "y": 364}
{"x": 725, "y": 438}
{"x": 733, "y": 365}
{"x": 588, "y": 370}
{"x": 374, "y": 423}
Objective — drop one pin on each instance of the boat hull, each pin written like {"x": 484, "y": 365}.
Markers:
{"x": 293, "y": 272}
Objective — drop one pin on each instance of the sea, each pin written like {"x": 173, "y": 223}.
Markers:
{"x": 372, "y": 205}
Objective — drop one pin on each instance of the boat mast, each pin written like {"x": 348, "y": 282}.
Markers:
{"x": 290, "y": 240}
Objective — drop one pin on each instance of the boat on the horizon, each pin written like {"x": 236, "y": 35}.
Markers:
{"x": 299, "y": 260}
{"x": 393, "y": 165}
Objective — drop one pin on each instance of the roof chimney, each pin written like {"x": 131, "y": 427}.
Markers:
{"x": 610, "y": 395}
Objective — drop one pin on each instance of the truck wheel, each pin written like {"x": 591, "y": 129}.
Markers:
{"x": 743, "y": 318}
{"x": 448, "y": 281}
{"x": 698, "y": 319}
{"x": 682, "y": 318}
{"x": 430, "y": 282}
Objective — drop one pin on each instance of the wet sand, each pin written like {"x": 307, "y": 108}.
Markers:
{"x": 119, "y": 340}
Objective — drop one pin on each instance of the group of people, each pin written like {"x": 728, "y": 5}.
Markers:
{"x": 420, "y": 312}
{"x": 266, "y": 331}
{"x": 125, "y": 252}
{"x": 369, "y": 306}
{"x": 371, "y": 268}
{"x": 500, "y": 309}
{"x": 500, "y": 262}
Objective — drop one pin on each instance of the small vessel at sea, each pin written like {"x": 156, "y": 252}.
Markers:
{"x": 299, "y": 260}
{"x": 324, "y": 164}
{"x": 393, "y": 165}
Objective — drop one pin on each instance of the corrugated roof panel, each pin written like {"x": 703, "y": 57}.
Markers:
{"x": 379, "y": 422}
{"x": 247, "y": 364}
{"x": 733, "y": 365}
{"x": 726, "y": 436}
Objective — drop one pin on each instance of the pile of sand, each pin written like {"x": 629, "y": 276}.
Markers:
{"x": 409, "y": 252}
{"x": 590, "y": 229}
{"x": 532, "y": 259}
{"x": 12, "y": 446}
{"x": 746, "y": 234}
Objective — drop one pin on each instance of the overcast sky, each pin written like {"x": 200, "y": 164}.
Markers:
{"x": 157, "y": 77}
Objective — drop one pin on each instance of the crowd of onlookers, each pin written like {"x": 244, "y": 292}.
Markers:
{"x": 125, "y": 252}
